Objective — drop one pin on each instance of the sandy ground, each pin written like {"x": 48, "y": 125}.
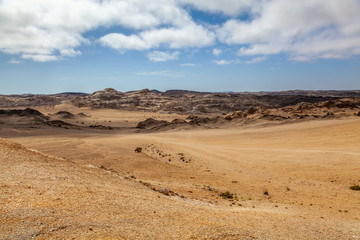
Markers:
{"x": 289, "y": 181}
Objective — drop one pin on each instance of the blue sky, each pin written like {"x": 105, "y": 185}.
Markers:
{"x": 213, "y": 45}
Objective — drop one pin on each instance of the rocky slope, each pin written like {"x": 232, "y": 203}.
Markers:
{"x": 189, "y": 102}
{"x": 344, "y": 107}
{"x": 339, "y": 108}
{"x": 29, "y": 100}
{"x": 175, "y": 101}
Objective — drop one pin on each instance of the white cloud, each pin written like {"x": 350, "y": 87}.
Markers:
{"x": 122, "y": 42}
{"x": 256, "y": 60}
{"x": 159, "y": 56}
{"x": 217, "y": 51}
{"x": 46, "y": 30}
{"x": 237, "y": 61}
{"x": 227, "y": 62}
{"x": 306, "y": 30}
{"x": 222, "y": 62}
{"x": 14, "y": 61}
{"x": 69, "y": 52}
{"x": 154, "y": 73}
{"x": 189, "y": 65}
{"x": 40, "y": 57}
{"x": 190, "y": 35}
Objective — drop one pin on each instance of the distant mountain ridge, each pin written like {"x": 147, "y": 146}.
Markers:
{"x": 192, "y": 102}
{"x": 177, "y": 101}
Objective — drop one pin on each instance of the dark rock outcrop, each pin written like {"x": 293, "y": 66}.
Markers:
{"x": 64, "y": 114}
{"x": 30, "y": 100}
{"x": 28, "y": 112}
{"x": 151, "y": 123}
{"x": 327, "y": 109}
{"x": 191, "y": 102}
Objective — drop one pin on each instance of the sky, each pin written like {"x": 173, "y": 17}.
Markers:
{"x": 49, "y": 46}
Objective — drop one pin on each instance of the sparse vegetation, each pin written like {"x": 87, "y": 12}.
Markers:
{"x": 209, "y": 188}
{"x": 138, "y": 149}
{"x": 226, "y": 195}
{"x": 355, "y": 188}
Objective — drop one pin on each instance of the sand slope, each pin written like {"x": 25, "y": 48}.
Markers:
{"x": 48, "y": 197}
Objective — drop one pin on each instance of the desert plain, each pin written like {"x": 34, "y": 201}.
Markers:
{"x": 84, "y": 172}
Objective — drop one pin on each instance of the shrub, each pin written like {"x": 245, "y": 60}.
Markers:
{"x": 355, "y": 187}
{"x": 226, "y": 195}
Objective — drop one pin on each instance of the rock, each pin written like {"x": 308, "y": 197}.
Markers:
{"x": 235, "y": 115}
{"x": 251, "y": 111}
{"x": 178, "y": 121}
{"x": 191, "y": 102}
{"x": 58, "y": 123}
{"x": 198, "y": 120}
{"x": 64, "y": 114}
{"x": 28, "y": 112}
{"x": 151, "y": 123}
{"x": 329, "y": 115}
{"x": 101, "y": 127}
{"x": 165, "y": 191}
{"x": 82, "y": 115}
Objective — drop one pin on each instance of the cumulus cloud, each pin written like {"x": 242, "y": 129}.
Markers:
{"x": 217, "y": 51}
{"x": 40, "y": 57}
{"x": 256, "y": 60}
{"x": 48, "y": 30}
{"x": 189, "y": 65}
{"x": 122, "y": 42}
{"x": 190, "y": 35}
{"x": 226, "y": 62}
{"x": 69, "y": 52}
{"x": 221, "y": 62}
{"x": 159, "y": 56}
{"x": 306, "y": 30}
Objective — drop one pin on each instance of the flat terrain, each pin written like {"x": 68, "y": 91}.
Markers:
{"x": 284, "y": 181}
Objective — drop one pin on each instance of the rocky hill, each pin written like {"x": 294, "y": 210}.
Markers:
{"x": 191, "y": 102}
{"x": 175, "y": 101}
{"x": 344, "y": 107}
{"x": 30, "y": 100}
